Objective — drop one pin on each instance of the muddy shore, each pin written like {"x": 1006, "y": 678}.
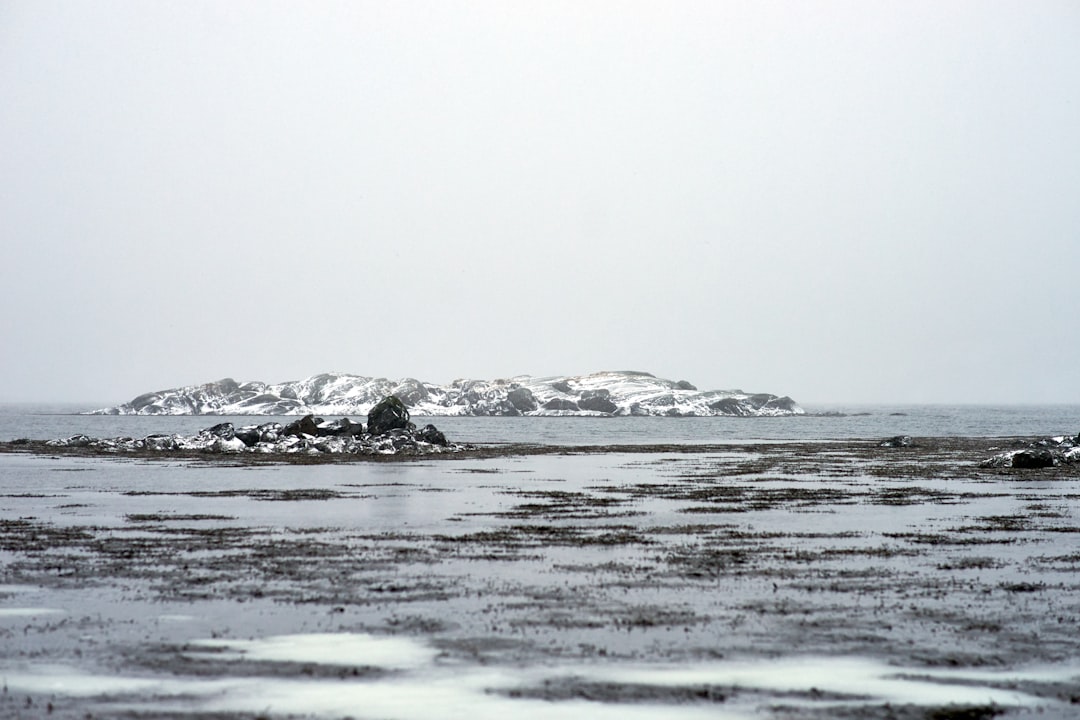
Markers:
{"x": 568, "y": 569}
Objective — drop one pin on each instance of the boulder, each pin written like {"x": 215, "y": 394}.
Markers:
{"x": 221, "y": 445}
{"x": 431, "y": 434}
{"x": 249, "y": 435}
{"x": 306, "y": 425}
{"x": 340, "y": 428}
{"x": 896, "y": 442}
{"x": 684, "y": 385}
{"x": 561, "y": 404}
{"x": 389, "y": 414}
{"x": 224, "y": 430}
{"x": 159, "y": 442}
{"x": 1031, "y": 459}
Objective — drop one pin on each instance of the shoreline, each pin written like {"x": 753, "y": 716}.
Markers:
{"x": 967, "y": 449}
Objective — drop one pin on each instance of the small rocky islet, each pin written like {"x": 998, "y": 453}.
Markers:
{"x": 601, "y": 394}
{"x": 1042, "y": 453}
{"x": 388, "y": 431}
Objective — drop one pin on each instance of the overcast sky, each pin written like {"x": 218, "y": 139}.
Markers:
{"x": 837, "y": 201}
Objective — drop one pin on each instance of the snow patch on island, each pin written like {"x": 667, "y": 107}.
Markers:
{"x": 599, "y": 394}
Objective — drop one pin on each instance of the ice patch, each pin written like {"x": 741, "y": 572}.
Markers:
{"x": 429, "y": 690}
{"x": 853, "y": 678}
{"x": 65, "y": 681}
{"x": 465, "y": 697}
{"x": 18, "y": 612}
{"x": 326, "y": 649}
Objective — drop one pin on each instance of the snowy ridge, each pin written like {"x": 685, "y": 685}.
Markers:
{"x": 598, "y": 394}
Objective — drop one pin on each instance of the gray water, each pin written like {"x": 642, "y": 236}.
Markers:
{"x": 43, "y": 422}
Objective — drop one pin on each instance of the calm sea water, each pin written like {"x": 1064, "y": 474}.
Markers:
{"x": 42, "y": 422}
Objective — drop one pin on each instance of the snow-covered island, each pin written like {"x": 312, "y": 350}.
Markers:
{"x": 597, "y": 394}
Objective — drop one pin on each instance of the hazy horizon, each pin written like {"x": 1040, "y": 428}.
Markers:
{"x": 843, "y": 202}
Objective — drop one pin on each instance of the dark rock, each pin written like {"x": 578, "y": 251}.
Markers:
{"x": 684, "y": 385}
{"x": 431, "y": 434}
{"x": 249, "y": 435}
{"x": 561, "y": 404}
{"x": 896, "y": 442}
{"x": 140, "y": 403}
{"x": 562, "y": 386}
{"x": 306, "y": 425}
{"x": 159, "y": 442}
{"x": 340, "y": 428}
{"x": 389, "y": 414}
{"x": 782, "y": 403}
{"x": 522, "y": 399}
{"x": 1030, "y": 459}
{"x": 411, "y": 392}
{"x": 728, "y": 406}
{"x": 597, "y": 401}
{"x": 225, "y": 431}
{"x": 225, "y": 386}
{"x": 760, "y": 400}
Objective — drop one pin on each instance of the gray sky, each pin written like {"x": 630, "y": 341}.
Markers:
{"x": 839, "y": 201}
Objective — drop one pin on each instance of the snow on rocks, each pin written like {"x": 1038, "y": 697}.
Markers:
{"x": 598, "y": 394}
{"x": 1043, "y": 453}
{"x": 309, "y": 434}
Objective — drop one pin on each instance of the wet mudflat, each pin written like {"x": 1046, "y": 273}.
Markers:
{"x": 803, "y": 580}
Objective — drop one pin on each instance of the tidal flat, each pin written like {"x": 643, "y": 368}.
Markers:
{"x": 780, "y": 580}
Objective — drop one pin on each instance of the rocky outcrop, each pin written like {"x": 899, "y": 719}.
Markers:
{"x": 598, "y": 394}
{"x": 1036, "y": 458}
{"x": 1043, "y": 453}
{"x": 389, "y": 414}
{"x": 385, "y": 435}
{"x": 598, "y": 401}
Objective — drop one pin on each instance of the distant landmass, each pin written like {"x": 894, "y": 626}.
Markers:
{"x": 598, "y": 394}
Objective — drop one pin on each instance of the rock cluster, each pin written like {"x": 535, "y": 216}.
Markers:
{"x": 388, "y": 432}
{"x": 1043, "y": 453}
